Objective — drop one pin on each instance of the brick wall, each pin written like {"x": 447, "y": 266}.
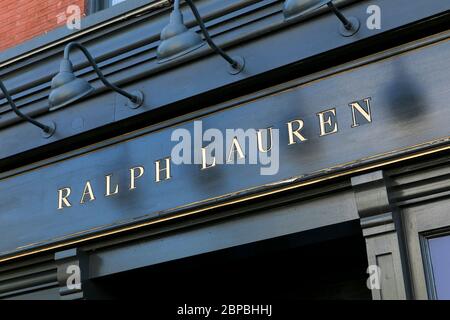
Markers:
{"x": 21, "y": 20}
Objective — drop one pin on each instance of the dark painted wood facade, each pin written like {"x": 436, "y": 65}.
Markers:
{"x": 387, "y": 172}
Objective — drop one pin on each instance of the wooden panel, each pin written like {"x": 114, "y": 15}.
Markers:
{"x": 388, "y": 281}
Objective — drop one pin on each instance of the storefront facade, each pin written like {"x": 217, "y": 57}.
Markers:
{"x": 357, "y": 164}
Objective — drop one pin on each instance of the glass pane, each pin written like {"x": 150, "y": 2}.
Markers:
{"x": 440, "y": 260}
{"x": 114, "y": 2}
{"x": 99, "y": 5}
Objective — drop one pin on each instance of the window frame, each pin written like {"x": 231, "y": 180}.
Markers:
{"x": 425, "y": 238}
{"x": 95, "y": 6}
{"x": 421, "y": 223}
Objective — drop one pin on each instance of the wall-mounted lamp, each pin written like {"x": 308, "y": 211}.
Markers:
{"x": 177, "y": 40}
{"x": 47, "y": 130}
{"x": 67, "y": 88}
{"x": 297, "y": 8}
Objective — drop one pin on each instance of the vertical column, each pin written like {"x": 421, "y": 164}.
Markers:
{"x": 382, "y": 230}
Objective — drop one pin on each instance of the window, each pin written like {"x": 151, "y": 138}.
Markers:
{"x": 98, "y": 5}
{"x": 438, "y": 249}
{"x": 427, "y": 230}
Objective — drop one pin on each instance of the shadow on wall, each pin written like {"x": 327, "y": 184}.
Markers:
{"x": 405, "y": 96}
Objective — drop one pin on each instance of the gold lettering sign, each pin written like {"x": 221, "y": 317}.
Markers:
{"x": 269, "y": 140}
{"x": 87, "y": 192}
{"x": 355, "y": 106}
{"x": 295, "y": 133}
{"x": 109, "y": 192}
{"x": 205, "y": 165}
{"x": 165, "y": 169}
{"x": 134, "y": 176}
{"x": 235, "y": 147}
{"x": 63, "y": 195}
{"x": 327, "y": 124}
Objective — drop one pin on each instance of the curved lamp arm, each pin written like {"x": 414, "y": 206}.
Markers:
{"x": 136, "y": 99}
{"x": 47, "y": 129}
{"x": 347, "y": 24}
{"x": 235, "y": 64}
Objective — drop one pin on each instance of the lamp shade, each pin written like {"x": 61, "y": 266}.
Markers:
{"x": 297, "y": 8}
{"x": 66, "y": 87}
{"x": 176, "y": 39}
